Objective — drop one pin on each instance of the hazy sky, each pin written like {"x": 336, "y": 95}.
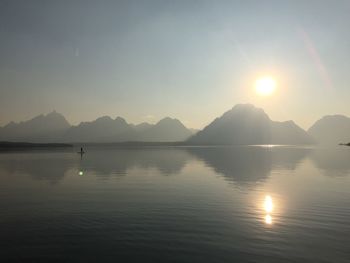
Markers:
{"x": 192, "y": 60}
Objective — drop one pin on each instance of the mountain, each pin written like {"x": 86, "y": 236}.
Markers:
{"x": 331, "y": 129}
{"x": 245, "y": 124}
{"x": 166, "y": 130}
{"x": 42, "y": 128}
{"x": 103, "y": 129}
{"x": 53, "y": 127}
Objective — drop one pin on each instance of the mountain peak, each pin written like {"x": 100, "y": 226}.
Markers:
{"x": 247, "y": 124}
{"x": 331, "y": 129}
{"x": 53, "y": 114}
{"x": 247, "y": 108}
{"x": 336, "y": 117}
{"x": 168, "y": 119}
{"x": 165, "y": 130}
{"x": 245, "y": 111}
{"x": 104, "y": 119}
{"x": 40, "y": 128}
{"x": 120, "y": 119}
{"x": 244, "y": 106}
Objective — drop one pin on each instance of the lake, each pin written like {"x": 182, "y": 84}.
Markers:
{"x": 176, "y": 204}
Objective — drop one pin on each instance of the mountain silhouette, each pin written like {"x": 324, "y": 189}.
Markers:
{"x": 103, "y": 129}
{"x": 42, "y": 128}
{"x": 166, "y": 130}
{"x": 245, "y": 124}
{"x": 331, "y": 129}
{"x": 53, "y": 127}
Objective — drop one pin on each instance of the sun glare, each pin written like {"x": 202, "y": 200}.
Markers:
{"x": 268, "y": 219}
{"x": 268, "y": 207}
{"x": 265, "y": 86}
{"x": 268, "y": 204}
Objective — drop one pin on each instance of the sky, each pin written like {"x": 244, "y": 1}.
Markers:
{"x": 191, "y": 60}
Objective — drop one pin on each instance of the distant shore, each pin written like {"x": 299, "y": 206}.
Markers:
{"x": 130, "y": 144}
{"x": 28, "y": 145}
{"x": 6, "y": 145}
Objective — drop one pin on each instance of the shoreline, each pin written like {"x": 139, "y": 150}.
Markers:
{"x": 27, "y": 145}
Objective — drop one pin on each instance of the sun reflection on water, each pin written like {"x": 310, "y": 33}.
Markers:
{"x": 268, "y": 207}
{"x": 268, "y": 219}
{"x": 268, "y": 204}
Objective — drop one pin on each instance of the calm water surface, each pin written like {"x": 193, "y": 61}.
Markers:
{"x": 200, "y": 204}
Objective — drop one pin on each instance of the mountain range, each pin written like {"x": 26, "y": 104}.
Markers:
{"x": 53, "y": 127}
{"x": 244, "y": 124}
{"x": 42, "y": 128}
{"x": 106, "y": 129}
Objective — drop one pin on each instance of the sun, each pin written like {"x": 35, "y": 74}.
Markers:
{"x": 265, "y": 86}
